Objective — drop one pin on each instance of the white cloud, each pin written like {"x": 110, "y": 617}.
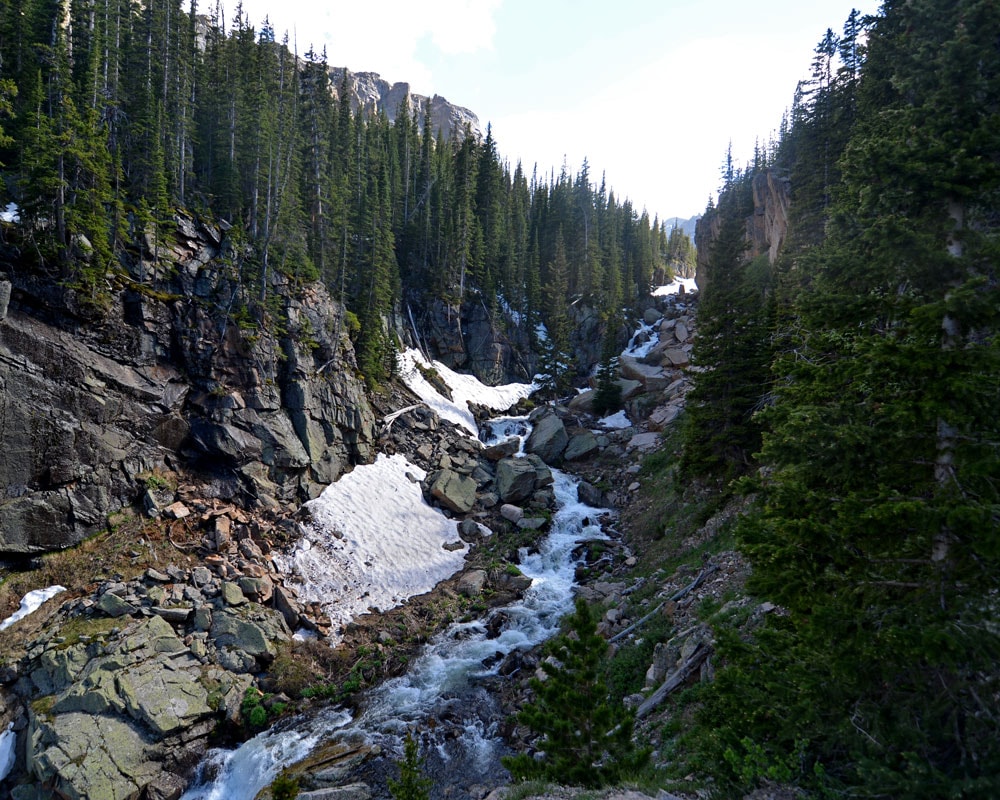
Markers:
{"x": 384, "y": 36}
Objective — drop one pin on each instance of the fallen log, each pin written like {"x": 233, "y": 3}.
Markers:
{"x": 677, "y": 679}
{"x": 674, "y": 597}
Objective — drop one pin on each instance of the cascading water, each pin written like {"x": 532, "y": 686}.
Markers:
{"x": 444, "y": 697}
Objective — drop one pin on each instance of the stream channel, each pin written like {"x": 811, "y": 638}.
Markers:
{"x": 445, "y": 698}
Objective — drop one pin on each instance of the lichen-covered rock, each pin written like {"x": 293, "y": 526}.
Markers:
{"x": 455, "y": 492}
{"x": 86, "y": 757}
{"x": 115, "y": 712}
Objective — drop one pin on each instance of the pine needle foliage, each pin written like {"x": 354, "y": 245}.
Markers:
{"x": 412, "y": 783}
{"x": 586, "y": 739}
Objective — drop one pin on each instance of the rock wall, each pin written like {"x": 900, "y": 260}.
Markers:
{"x": 766, "y": 228}
{"x": 371, "y": 93}
{"x": 170, "y": 376}
{"x": 465, "y": 338}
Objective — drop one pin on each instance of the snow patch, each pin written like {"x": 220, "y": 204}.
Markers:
{"x": 11, "y": 213}
{"x": 674, "y": 287}
{"x": 619, "y": 420}
{"x": 465, "y": 389}
{"x": 373, "y": 542}
{"x": 31, "y": 602}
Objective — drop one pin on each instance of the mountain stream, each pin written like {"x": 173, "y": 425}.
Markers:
{"x": 445, "y": 697}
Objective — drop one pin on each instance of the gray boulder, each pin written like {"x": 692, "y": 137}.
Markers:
{"x": 548, "y": 439}
{"x": 515, "y": 480}
{"x": 582, "y": 444}
{"x": 455, "y": 492}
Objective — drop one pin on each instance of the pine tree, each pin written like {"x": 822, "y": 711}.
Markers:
{"x": 877, "y": 530}
{"x": 586, "y": 738}
{"x": 412, "y": 784}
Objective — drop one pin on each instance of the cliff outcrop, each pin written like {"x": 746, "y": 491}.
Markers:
{"x": 372, "y": 94}
{"x": 766, "y": 227}
{"x": 172, "y": 372}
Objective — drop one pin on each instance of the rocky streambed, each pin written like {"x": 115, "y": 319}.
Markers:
{"x": 206, "y": 625}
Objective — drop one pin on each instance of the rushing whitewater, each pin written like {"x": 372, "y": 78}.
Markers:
{"x": 374, "y": 542}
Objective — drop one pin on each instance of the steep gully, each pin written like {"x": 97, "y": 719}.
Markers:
{"x": 449, "y": 682}
{"x": 446, "y": 698}
{"x": 458, "y": 729}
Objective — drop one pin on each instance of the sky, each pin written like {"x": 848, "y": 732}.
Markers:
{"x": 651, "y": 92}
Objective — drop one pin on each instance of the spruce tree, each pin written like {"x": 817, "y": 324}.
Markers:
{"x": 412, "y": 784}
{"x": 586, "y": 738}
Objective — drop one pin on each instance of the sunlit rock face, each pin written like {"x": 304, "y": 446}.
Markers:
{"x": 371, "y": 93}
{"x": 766, "y": 227}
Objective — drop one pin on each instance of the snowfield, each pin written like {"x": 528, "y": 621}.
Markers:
{"x": 465, "y": 389}
{"x": 373, "y": 541}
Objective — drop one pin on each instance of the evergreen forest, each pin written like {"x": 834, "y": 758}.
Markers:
{"x": 847, "y": 392}
{"x": 116, "y": 114}
{"x": 851, "y": 390}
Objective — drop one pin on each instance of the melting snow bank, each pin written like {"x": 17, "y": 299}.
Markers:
{"x": 465, "y": 389}
{"x": 31, "y": 602}
{"x": 373, "y": 542}
{"x": 8, "y": 739}
{"x": 675, "y": 287}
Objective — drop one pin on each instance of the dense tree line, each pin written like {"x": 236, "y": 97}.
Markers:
{"x": 115, "y": 113}
{"x": 872, "y": 443}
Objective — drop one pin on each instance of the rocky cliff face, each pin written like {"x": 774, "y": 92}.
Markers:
{"x": 766, "y": 227}
{"x": 371, "y": 93}
{"x": 465, "y": 338}
{"x": 171, "y": 376}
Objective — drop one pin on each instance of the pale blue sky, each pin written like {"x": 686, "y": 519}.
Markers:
{"x": 651, "y": 92}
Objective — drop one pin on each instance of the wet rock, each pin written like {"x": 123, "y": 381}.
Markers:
{"x": 590, "y": 495}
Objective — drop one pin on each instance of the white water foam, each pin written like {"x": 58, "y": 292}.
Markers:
{"x": 240, "y": 774}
